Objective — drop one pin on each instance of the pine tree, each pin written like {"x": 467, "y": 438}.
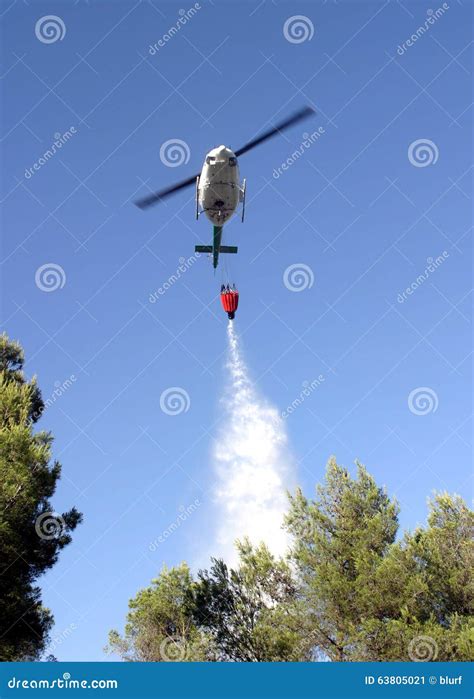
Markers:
{"x": 31, "y": 535}
{"x": 252, "y": 612}
{"x": 349, "y": 590}
{"x": 426, "y": 588}
{"x": 368, "y": 597}
{"x": 243, "y": 614}
{"x": 160, "y": 623}
{"x": 340, "y": 541}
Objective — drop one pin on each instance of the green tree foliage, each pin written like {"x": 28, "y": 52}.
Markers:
{"x": 160, "y": 623}
{"x": 28, "y": 479}
{"x": 368, "y": 597}
{"x": 428, "y": 588}
{"x": 340, "y": 540}
{"x": 252, "y": 612}
{"x": 349, "y": 591}
{"x": 246, "y": 614}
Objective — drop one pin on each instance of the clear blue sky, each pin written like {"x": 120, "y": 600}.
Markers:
{"x": 353, "y": 208}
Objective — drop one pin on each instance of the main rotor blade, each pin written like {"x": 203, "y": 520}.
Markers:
{"x": 156, "y": 197}
{"x": 163, "y": 193}
{"x": 298, "y": 116}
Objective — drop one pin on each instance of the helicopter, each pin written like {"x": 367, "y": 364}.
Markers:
{"x": 219, "y": 190}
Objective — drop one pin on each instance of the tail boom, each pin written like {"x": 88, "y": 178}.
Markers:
{"x": 216, "y": 248}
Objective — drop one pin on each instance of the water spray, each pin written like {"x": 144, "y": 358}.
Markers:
{"x": 254, "y": 468}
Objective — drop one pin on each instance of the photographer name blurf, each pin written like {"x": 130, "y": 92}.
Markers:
{"x": 444, "y": 679}
{"x": 412, "y": 680}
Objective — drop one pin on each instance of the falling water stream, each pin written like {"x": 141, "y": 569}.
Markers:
{"x": 252, "y": 462}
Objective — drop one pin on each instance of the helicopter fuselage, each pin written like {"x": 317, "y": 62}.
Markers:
{"x": 218, "y": 190}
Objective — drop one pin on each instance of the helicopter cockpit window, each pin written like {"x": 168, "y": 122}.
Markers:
{"x": 232, "y": 161}
{"x": 210, "y": 160}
